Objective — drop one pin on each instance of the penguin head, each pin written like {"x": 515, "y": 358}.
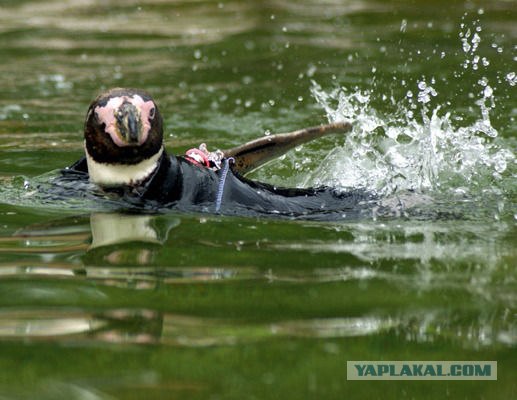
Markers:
{"x": 123, "y": 136}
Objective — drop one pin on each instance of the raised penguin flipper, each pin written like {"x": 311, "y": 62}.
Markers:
{"x": 252, "y": 155}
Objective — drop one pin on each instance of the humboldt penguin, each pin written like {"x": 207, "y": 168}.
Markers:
{"x": 125, "y": 154}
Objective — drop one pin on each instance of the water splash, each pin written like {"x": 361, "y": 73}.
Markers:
{"x": 418, "y": 145}
{"x": 387, "y": 153}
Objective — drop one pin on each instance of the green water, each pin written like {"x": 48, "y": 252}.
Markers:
{"x": 99, "y": 305}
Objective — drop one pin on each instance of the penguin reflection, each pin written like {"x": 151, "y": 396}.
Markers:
{"x": 112, "y": 234}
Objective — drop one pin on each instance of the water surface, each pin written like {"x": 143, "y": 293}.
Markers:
{"x": 98, "y": 303}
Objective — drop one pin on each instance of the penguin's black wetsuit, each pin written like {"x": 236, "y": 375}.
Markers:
{"x": 179, "y": 183}
{"x": 124, "y": 154}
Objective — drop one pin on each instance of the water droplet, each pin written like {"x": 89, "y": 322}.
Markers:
{"x": 311, "y": 70}
{"x": 483, "y": 81}
{"x": 511, "y": 78}
{"x": 465, "y": 45}
{"x": 476, "y": 39}
{"x": 500, "y": 164}
{"x": 424, "y": 96}
{"x": 403, "y": 25}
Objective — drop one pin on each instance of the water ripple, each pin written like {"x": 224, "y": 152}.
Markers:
{"x": 151, "y": 327}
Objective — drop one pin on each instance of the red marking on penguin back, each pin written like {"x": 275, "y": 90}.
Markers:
{"x": 198, "y": 157}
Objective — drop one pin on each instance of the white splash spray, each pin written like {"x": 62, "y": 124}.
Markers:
{"x": 388, "y": 153}
{"x": 425, "y": 152}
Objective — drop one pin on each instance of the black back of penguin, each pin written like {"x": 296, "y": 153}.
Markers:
{"x": 125, "y": 155}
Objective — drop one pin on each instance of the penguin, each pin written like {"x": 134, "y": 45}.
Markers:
{"x": 125, "y": 155}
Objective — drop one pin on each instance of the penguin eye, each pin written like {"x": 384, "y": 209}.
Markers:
{"x": 151, "y": 113}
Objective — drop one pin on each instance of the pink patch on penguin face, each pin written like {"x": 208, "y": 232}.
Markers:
{"x": 107, "y": 113}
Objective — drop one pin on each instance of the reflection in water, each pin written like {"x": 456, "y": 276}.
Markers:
{"x": 103, "y": 229}
{"x": 42, "y": 324}
{"x": 118, "y": 250}
{"x": 153, "y": 327}
{"x": 126, "y": 251}
{"x": 108, "y": 229}
{"x": 125, "y": 245}
{"x": 122, "y": 306}
{"x": 110, "y": 243}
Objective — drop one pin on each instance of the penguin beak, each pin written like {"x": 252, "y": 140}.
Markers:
{"x": 133, "y": 133}
{"x": 129, "y": 124}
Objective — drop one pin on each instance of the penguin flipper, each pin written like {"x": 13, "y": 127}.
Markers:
{"x": 252, "y": 155}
